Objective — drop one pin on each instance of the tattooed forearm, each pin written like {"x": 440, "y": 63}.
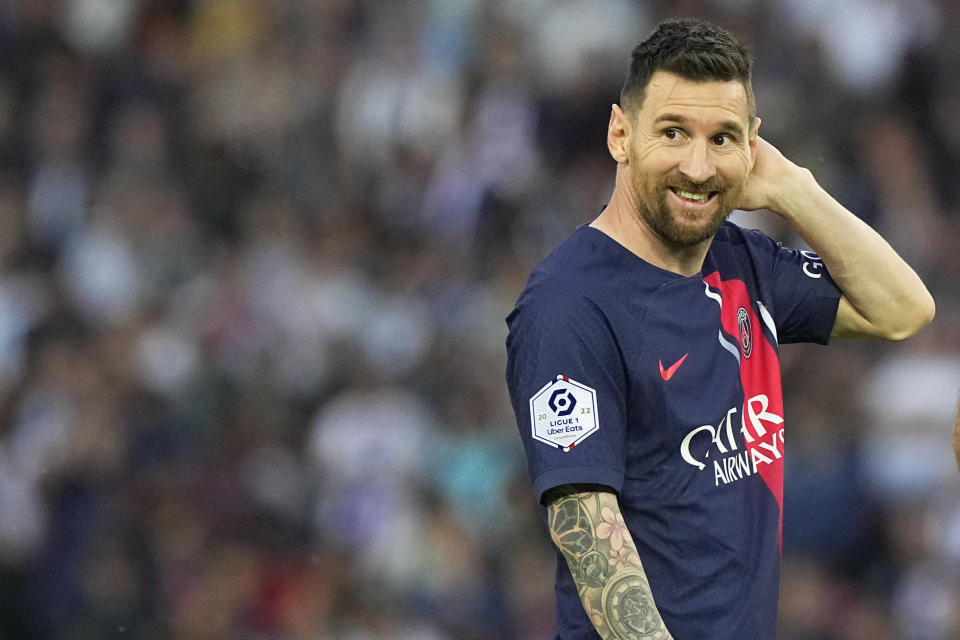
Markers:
{"x": 589, "y": 530}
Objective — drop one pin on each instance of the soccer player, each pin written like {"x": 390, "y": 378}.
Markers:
{"x": 643, "y": 353}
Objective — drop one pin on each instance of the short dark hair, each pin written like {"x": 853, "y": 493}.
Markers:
{"x": 692, "y": 49}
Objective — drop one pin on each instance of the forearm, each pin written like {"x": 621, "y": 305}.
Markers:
{"x": 602, "y": 557}
{"x": 886, "y": 297}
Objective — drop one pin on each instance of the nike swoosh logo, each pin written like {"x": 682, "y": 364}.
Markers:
{"x": 666, "y": 374}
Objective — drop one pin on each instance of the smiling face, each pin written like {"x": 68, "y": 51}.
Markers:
{"x": 689, "y": 155}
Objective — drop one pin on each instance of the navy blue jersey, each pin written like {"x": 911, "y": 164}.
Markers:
{"x": 666, "y": 389}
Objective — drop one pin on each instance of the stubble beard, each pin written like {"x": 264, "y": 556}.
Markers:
{"x": 674, "y": 228}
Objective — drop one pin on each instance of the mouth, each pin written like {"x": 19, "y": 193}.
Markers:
{"x": 694, "y": 198}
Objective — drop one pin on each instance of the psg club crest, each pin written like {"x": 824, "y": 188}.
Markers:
{"x": 746, "y": 332}
{"x": 563, "y": 413}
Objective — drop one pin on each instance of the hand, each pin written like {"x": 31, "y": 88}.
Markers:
{"x": 771, "y": 180}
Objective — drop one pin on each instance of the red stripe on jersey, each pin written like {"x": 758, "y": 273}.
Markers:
{"x": 762, "y": 415}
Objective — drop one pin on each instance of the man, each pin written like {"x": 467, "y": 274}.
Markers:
{"x": 642, "y": 355}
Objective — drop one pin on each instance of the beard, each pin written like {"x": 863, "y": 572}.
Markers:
{"x": 684, "y": 228}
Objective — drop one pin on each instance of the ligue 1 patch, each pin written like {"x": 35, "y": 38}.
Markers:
{"x": 563, "y": 413}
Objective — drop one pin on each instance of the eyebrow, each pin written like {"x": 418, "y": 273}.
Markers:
{"x": 726, "y": 126}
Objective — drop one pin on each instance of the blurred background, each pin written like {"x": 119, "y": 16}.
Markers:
{"x": 255, "y": 257}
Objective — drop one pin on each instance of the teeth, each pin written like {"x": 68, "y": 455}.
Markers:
{"x": 698, "y": 197}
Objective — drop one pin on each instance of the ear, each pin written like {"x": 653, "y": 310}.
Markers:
{"x": 752, "y": 140}
{"x": 618, "y": 133}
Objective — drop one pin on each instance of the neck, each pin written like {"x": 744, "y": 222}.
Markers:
{"x": 620, "y": 221}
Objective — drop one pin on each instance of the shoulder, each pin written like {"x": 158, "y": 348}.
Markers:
{"x": 733, "y": 235}
{"x": 736, "y": 248}
{"x": 591, "y": 263}
{"x": 569, "y": 293}
{"x": 588, "y": 271}
{"x": 569, "y": 271}
{"x": 583, "y": 251}
{"x": 552, "y": 300}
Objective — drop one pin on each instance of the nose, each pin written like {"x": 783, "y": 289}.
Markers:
{"x": 696, "y": 163}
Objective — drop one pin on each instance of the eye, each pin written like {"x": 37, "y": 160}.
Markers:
{"x": 671, "y": 134}
{"x": 722, "y": 139}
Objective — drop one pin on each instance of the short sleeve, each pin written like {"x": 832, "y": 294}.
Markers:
{"x": 805, "y": 297}
{"x": 566, "y": 378}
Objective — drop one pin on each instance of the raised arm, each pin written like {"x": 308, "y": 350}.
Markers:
{"x": 588, "y": 528}
{"x": 882, "y": 296}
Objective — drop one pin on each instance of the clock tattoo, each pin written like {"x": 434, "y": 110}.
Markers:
{"x": 629, "y": 608}
{"x": 593, "y": 569}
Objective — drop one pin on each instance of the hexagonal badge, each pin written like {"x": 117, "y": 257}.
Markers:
{"x": 563, "y": 413}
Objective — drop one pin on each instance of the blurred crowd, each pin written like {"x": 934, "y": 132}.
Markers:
{"x": 255, "y": 257}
